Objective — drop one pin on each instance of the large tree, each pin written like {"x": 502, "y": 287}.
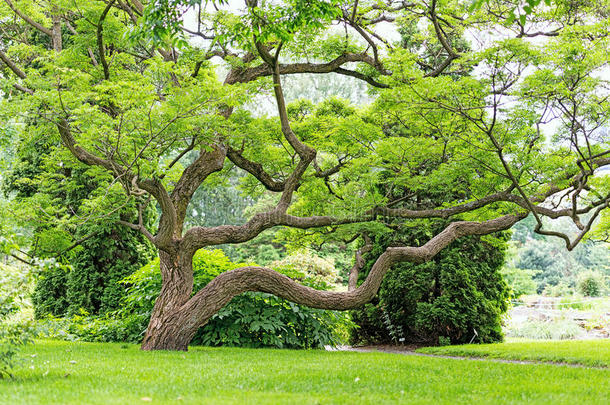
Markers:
{"x": 124, "y": 93}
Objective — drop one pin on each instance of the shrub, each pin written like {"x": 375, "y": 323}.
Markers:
{"x": 561, "y": 289}
{"x": 50, "y": 294}
{"x": 85, "y": 327}
{"x": 91, "y": 281}
{"x": 520, "y": 281}
{"x": 15, "y": 331}
{"x": 458, "y": 295}
{"x": 591, "y": 284}
{"x": 311, "y": 265}
{"x": 263, "y": 320}
{"x": 444, "y": 341}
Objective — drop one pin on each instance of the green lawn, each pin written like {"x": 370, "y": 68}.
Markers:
{"x": 91, "y": 373}
{"x": 587, "y": 352}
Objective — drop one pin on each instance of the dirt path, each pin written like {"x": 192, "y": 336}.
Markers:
{"x": 410, "y": 351}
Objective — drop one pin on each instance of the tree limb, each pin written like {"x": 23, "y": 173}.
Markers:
{"x": 359, "y": 263}
{"x": 205, "y": 303}
{"x": 100, "y": 39}
{"x": 28, "y": 20}
{"x": 12, "y": 65}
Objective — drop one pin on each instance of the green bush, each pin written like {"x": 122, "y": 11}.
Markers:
{"x": 250, "y": 319}
{"x": 91, "y": 281}
{"x": 263, "y": 320}
{"x": 591, "y": 284}
{"x": 457, "y": 296}
{"x": 68, "y": 199}
{"x": 50, "y": 295}
{"x": 85, "y": 327}
{"x": 14, "y": 330}
{"x": 312, "y": 265}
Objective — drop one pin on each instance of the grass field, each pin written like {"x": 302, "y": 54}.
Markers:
{"x": 587, "y": 352}
{"x": 91, "y": 373}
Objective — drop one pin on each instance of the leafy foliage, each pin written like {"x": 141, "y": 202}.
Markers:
{"x": 263, "y": 320}
{"x": 545, "y": 260}
{"x": 455, "y": 125}
{"x": 59, "y": 204}
{"x": 591, "y": 284}
{"x": 314, "y": 267}
{"x": 266, "y": 20}
{"x": 91, "y": 282}
{"x": 520, "y": 11}
{"x": 520, "y": 281}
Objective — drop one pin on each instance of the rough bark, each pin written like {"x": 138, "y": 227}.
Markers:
{"x": 359, "y": 263}
{"x": 56, "y": 34}
{"x": 165, "y": 329}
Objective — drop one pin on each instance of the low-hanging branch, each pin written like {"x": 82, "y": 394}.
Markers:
{"x": 215, "y": 295}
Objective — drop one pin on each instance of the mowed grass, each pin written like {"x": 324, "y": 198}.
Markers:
{"x": 586, "y": 352}
{"x": 102, "y": 373}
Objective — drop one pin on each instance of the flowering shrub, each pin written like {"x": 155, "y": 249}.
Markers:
{"x": 311, "y": 265}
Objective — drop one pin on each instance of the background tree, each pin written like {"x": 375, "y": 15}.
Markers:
{"x": 134, "y": 109}
{"x": 548, "y": 264}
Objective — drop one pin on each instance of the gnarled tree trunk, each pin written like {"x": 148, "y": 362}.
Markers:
{"x": 166, "y": 327}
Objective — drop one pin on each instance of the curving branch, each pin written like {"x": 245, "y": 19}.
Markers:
{"x": 12, "y": 65}
{"x": 199, "y": 237}
{"x": 169, "y": 218}
{"x": 360, "y": 76}
{"x": 17, "y": 72}
{"x": 306, "y": 153}
{"x": 444, "y": 212}
{"x": 100, "y": 39}
{"x": 245, "y": 75}
{"x": 255, "y": 169}
{"x": 139, "y": 226}
{"x": 451, "y": 54}
{"x": 193, "y": 176}
{"x": 209, "y": 300}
